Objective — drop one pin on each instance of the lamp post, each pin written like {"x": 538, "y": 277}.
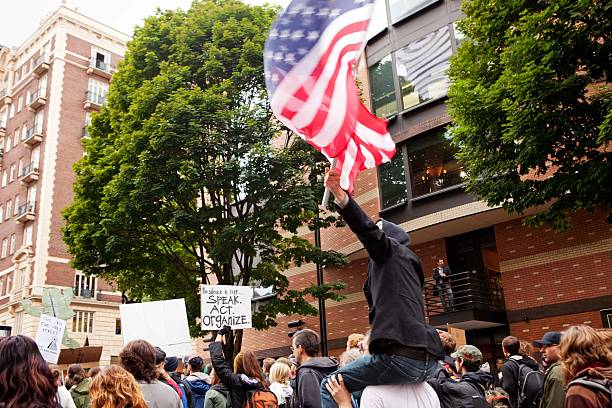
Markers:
{"x": 322, "y": 316}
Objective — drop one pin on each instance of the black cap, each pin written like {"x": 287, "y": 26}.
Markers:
{"x": 550, "y": 338}
{"x": 171, "y": 364}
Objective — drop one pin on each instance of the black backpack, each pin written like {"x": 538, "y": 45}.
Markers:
{"x": 459, "y": 394}
{"x": 530, "y": 384}
{"x": 594, "y": 384}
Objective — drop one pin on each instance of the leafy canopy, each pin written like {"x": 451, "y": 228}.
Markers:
{"x": 531, "y": 100}
{"x": 182, "y": 183}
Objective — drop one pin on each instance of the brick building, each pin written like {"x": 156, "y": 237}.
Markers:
{"x": 508, "y": 279}
{"x": 48, "y": 88}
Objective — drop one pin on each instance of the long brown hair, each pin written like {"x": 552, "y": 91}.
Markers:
{"x": 114, "y": 387}
{"x": 246, "y": 363}
{"x": 25, "y": 377}
{"x": 580, "y": 347}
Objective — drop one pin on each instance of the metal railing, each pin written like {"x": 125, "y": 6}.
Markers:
{"x": 36, "y": 129}
{"x": 95, "y": 97}
{"x": 40, "y": 93}
{"x": 465, "y": 290}
{"x": 30, "y": 168}
{"x": 42, "y": 58}
{"x": 101, "y": 65}
{"x": 26, "y": 208}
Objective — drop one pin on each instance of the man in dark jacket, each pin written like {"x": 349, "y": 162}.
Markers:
{"x": 510, "y": 372}
{"x": 171, "y": 366}
{"x": 311, "y": 370}
{"x": 472, "y": 383}
{"x": 553, "y": 391}
{"x": 441, "y": 275}
{"x": 197, "y": 381}
{"x": 403, "y": 349}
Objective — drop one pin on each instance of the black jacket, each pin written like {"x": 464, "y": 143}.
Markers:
{"x": 439, "y": 279}
{"x": 308, "y": 381}
{"x": 237, "y": 385}
{"x": 393, "y": 286}
{"x": 510, "y": 376}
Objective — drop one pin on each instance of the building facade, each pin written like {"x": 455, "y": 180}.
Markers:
{"x": 49, "y": 86}
{"x": 507, "y": 278}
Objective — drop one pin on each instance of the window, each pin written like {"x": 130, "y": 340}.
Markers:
{"x": 8, "y": 284}
{"x": 19, "y": 281}
{"x": 4, "y": 178}
{"x": 1, "y": 214}
{"x": 27, "y": 235}
{"x": 4, "y": 248}
{"x": 118, "y": 327}
{"x": 19, "y": 103}
{"x": 18, "y": 325}
{"x": 433, "y": 166}
{"x": 84, "y": 286}
{"x": 96, "y": 91}
{"x": 393, "y": 180}
{"x": 24, "y": 134}
{"x": 31, "y": 195}
{"x": 12, "y": 244}
{"x": 382, "y": 88}
{"x": 100, "y": 59}
{"x": 2, "y": 286}
{"x": 82, "y": 322}
{"x": 422, "y": 66}
{"x": 3, "y": 117}
{"x": 401, "y": 9}
{"x": 38, "y": 120}
{"x": 16, "y": 206}
{"x": 12, "y": 111}
{"x": 9, "y": 144}
{"x": 9, "y": 209}
{"x": 12, "y": 173}
{"x": 28, "y": 97}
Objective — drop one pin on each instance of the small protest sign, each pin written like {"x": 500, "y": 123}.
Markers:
{"x": 226, "y": 305}
{"x": 49, "y": 337}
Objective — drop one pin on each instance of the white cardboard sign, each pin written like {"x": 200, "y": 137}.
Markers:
{"x": 162, "y": 323}
{"x": 49, "y": 337}
{"x": 226, "y": 305}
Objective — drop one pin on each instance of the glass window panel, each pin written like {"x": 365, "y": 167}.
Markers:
{"x": 393, "y": 180}
{"x": 400, "y": 9}
{"x": 422, "y": 66}
{"x": 433, "y": 166}
{"x": 382, "y": 88}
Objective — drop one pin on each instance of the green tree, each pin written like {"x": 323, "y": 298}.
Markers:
{"x": 531, "y": 100}
{"x": 182, "y": 180}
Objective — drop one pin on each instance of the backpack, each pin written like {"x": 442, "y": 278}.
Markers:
{"x": 260, "y": 398}
{"x": 459, "y": 394}
{"x": 594, "y": 384}
{"x": 530, "y": 384}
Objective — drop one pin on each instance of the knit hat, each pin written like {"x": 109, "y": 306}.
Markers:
{"x": 171, "y": 364}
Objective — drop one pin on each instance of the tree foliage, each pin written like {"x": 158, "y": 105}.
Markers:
{"x": 531, "y": 100}
{"x": 182, "y": 183}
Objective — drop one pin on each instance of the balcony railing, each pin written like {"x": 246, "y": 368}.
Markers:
{"x": 40, "y": 64}
{"x": 34, "y": 135}
{"x": 94, "y": 100}
{"x": 4, "y": 97}
{"x": 38, "y": 99}
{"x": 466, "y": 291}
{"x": 29, "y": 173}
{"x": 25, "y": 212}
{"x": 84, "y": 293}
{"x": 100, "y": 67}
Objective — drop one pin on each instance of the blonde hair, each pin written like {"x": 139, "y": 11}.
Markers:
{"x": 114, "y": 387}
{"x": 580, "y": 347}
{"x": 354, "y": 339}
{"x": 279, "y": 372}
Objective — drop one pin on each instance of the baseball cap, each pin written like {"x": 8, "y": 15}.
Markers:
{"x": 468, "y": 352}
{"x": 549, "y": 338}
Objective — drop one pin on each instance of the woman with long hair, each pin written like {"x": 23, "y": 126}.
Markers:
{"x": 114, "y": 387}
{"x": 246, "y": 377}
{"x": 25, "y": 377}
{"x": 587, "y": 364}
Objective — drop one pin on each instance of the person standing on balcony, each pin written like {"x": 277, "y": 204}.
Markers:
{"x": 442, "y": 275}
{"x": 403, "y": 348}
{"x": 553, "y": 391}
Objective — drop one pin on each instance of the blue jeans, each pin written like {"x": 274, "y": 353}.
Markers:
{"x": 379, "y": 369}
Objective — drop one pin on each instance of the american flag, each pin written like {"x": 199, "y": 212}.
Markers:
{"x": 309, "y": 60}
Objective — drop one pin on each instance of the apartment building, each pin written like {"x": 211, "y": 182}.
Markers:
{"x": 508, "y": 279}
{"x": 49, "y": 86}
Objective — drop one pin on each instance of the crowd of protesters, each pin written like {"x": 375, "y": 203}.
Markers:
{"x": 400, "y": 362}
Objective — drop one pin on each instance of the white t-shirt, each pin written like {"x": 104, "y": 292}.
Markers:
{"x": 282, "y": 392}
{"x": 65, "y": 398}
{"x": 414, "y": 395}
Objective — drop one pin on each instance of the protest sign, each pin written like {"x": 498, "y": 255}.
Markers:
{"x": 49, "y": 337}
{"x": 162, "y": 323}
{"x": 459, "y": 335}
{"x": 226, "y": 305}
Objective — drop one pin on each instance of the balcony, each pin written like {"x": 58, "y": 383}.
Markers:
{"x": 34, "y": 136}
{"x": 38, "y": 99}
{"x": 477, "y": 301}
{"x": 100, "y": 68}
{"x": 41, "y": 65}
{"x": 25, "y": 213}
{"x": 93, "y": 100}
{"x": 29, "y": 173}
{"x": 5, "y": 99}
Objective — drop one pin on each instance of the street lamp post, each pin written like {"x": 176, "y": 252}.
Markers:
{"x": 322, "y": 316}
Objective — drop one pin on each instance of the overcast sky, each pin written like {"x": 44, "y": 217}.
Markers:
{"x": 20, "y": 18}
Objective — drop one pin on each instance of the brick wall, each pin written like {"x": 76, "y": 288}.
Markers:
{"x": 535, "y": 329}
